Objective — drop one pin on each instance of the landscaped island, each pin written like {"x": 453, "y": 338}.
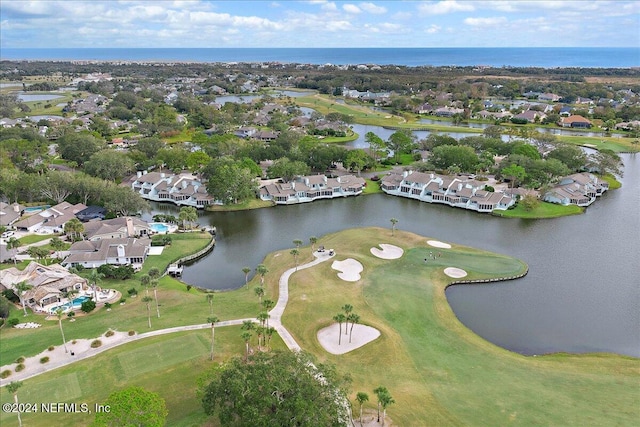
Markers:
{"x": 438, "y": 371}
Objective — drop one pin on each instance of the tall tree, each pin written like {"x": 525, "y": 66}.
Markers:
{"x": 59, "y": 316}
{"x": 261, "y": 269}
{"x": 21, "y": 288}
{"x": 385, "y": 401}
{"x": 259, "y": 290}
{"x": 74, "y": 229}
{"x": 154, "y": 285}
{"x": 297, "y": 242}
{"x": 147, "y": 300}
{"x": 400, "y": 142}
{"x": 12, "y": 245}
{"x": 376, "y": 144}
{"x": 347, "y": 308}
{"x": 313, "y": 240}
{"x": 340, "y": 318}
{"x": 394, "y": 221}
{"x": 212, "y": 320}
{"x": 210, "y": 301}
{"x": 353, "y": 318}
{"x": 133, "y": 406}
{"x": 296, "y": 397}
{"x": 94, "y": 277}
{"x": 361, "y": 397}
{"x": 188, "y": 215}
{"x": 246, "y": 271}
{"x": 295, "y": 252}
{"x": 13, "y": 388}
{"x": 56, "y": 244}
{"x": 379, "y": 392}
{"x": 246, "y": 337}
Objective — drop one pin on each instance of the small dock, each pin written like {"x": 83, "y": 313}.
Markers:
{"x": 175, "y": 270}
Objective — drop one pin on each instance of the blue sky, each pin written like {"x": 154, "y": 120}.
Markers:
{"x": 318, "y": 23}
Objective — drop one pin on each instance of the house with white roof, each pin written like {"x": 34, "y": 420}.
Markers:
{"x": 51, "y": 220}
{"x": 460, "y": 192}
{"x": 580, "y": 189}
{"x": 183, "y": 189}
{"x": 313, "y": 187}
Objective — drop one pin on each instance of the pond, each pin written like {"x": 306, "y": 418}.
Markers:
{"x": 581, "y": 294}
{"x": 28, "y": 97}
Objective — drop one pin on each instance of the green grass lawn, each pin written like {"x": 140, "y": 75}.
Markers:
{"x": 170, "y": 365}
{"x": 543, "y": 210}
{"x": 35, "y": 238}
{"x": 437, "y": 370}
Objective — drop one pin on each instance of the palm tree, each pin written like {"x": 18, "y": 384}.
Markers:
{"x": 261, "y": 269}
{"x": 262, "y": 317}
{"x": 385, "y": 400}
{"x": 94, "y": 278}
{"x": 154, "y": 273}
{"x": 268, "y": 304}
{"x": 147, "y": 300}
{"x": 297, "y": 242}
{"x": 295, "y": 253}
{"x": 269, "y": 332}
{"x": 246, "y": 271}
{"x": 361, "y": 397}
{"x": 354, "y": 318}
{"x": 394, "y": 221}
{"x": 260, "y": 330}
{"x": 313, "y": 240}
{"x": 246, "y": 336}
{"x": 59, "y": 315}
{"x": 213, "y": 320}
{"x": 379, "y": 392}
{"x": 154, "y": 285}
{"x": 340, "y": 318}
{"x": 259, "y": 290}
{"x": 57, "y": 244}
{"x": 21, "y": 288}
{"x": 210, "y": 301}
{"x": 74, "y": 229}
{"x": 12, "y": 388}
{"x": 12, "y": 245}
{"x": 145, "y": 281}
{"x": 348, "y": 308}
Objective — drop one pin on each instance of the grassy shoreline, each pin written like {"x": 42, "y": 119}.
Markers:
{"x": 438, "y": 371}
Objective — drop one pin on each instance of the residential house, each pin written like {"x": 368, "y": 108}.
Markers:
{"x": 91, "y": 213}
{"x": 574, "y": 121}
{"x": 9, "y": 213}
{"x": 580, "y": 189}
{"x": 183, "y": 189}
{"x": 461, "y": 192}
{"x": 549, "y": 97}
{"x": 94, "y": 253}
{"x": 447, "y": 111}
{"x": 313, "y": 187}
{"x": 116, "y": 228}
{"x": 50, "y": 220}
{"x": 48, "y": 283}
{"x": 531, "y": 116}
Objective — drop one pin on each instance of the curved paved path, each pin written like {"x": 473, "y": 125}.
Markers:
{"x": 34, "y": 367}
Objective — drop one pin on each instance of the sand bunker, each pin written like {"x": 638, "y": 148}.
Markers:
{"x": 360, "y": 335}
{"x": 438, "y": 244}
{"x": 455, "y": 272}
{"x": 349, "y": 269}
{"x": 387, "y": 251}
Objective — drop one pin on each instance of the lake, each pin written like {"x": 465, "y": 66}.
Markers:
{"x": 582, "y": 293}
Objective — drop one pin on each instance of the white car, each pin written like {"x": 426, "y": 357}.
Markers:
{"x": 7, "y": 234}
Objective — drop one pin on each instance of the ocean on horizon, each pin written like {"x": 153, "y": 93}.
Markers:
{"x": 590, "y": 57}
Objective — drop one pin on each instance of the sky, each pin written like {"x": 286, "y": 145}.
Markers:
{"x": 318, "y": 23}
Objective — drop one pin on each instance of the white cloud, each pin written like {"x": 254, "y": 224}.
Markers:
{"x": 485, "y": 22}
{"x": 444, "y": 7}
{"x": 351, "y": 8}
{"x": 432, "y": 29}
{"x": 372, "y": 8}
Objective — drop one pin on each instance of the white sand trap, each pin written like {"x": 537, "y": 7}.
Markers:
{"x": 387, "y": 252}
{"x": 349, "y": 269}
{"x": 438, "y": 244}
{"x": 361, "y": 335}
{"x": 455, "y": 272}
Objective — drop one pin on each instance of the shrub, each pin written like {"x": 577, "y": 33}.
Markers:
{"x": 107, "y": 305}
{"x": 132, "y": 292}
{"x": 20, "y": 359}
{"x": 489, "y": 188}
{"x": 109, "y": 333}
{"x": 4, "y": 374}
{"x": 71, "y": 314}
{"x": 88, "y": 306}
{"x": 96, "y": 343}
{"x": 13, "y": 321}
{"x": 123, "y": 300}
{"x": 19, "y": 367}
{"x": 51, "y": 348}
{"x": 44, "y": 359}
{"x": 132, "y": 333}
{"x": 73, "y": 342}
{"x": 188, "y": 288}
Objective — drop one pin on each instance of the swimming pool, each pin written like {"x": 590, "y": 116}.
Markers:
{"x": 34, "y": 209}
{"x": 76, "y": 303}
{"x": 159, "y": 227}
